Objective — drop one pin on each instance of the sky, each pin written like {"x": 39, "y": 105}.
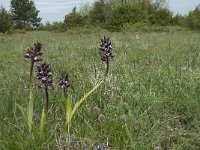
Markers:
{"x": 55, "y": 10}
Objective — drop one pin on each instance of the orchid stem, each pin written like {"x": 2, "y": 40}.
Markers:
{"x": 47, "y": 99}
{"x": 107, "y": 68}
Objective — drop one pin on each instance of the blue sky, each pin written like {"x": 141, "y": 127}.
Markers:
{"x": 55, "y": 10}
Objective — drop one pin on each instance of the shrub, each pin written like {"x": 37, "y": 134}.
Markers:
{"x": 193, "y": 19}
{"x": 57, "y": 26}
{"x": 74, "y": 19}
{"x": 125, "y": 13}
{"x": 161, "y": 16}
{"x": 99, "y": 14}
{"x": 4, "y": 20}
{"x": 178, "y": 20}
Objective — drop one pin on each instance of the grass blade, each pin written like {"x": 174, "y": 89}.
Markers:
{"x": 22, "y": 111}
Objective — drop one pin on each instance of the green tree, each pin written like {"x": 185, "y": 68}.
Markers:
{"x": 161, "y": 16}
{"x": 4, "y": 20}
{"x": 145, "y": 4}
{"x": 193, "y": 19}
{"x": 125, "y": 13}
{"x": 85, "y": 9}
{"x": 24, "y": 14}
{"x": 74, "y": 19}
{"x": 85, "y": 13}
{"x": 178, "y": 20}
{"x": 99, "y": 13}
{"x": 159, "y": 3}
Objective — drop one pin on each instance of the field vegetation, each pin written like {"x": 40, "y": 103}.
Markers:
{"x": 150, "y": 99}
{"x": 112, "y": 15}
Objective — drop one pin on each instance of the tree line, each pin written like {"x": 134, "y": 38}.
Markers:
{"x": 22, "y": 15}
{"x": 113, "y": 15}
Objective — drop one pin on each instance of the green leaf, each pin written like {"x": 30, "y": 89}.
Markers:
{"x": 63, "y": 105}
{"x": 77, "y": 105}
{"x": 68, "y": 111}
{"x": 42, "y": 122}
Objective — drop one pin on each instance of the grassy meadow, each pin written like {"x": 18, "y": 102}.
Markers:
{"x": 151, "y": 99}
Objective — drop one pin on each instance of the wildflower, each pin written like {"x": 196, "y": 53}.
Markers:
{"x": 96, "y": 109}
{"x": 106, "y": 53}
{"x": 64, "y": 83}
{"x": 101, "y": 118}
{"x": 100, "y": 148}
{"x": 106, "y": 49}
{"x": 38, "y": 46}
{"x": 44, "y": 75}
{"x": 34, "y": 53}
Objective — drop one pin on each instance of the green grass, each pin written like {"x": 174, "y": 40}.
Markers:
{"x": 151, "y": 98}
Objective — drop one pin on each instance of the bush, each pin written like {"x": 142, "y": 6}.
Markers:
{"x": 161, "y": 16}
{"x": 55, "y": 26}
{"x": 146, "y": 27}
{"x": 74, "y": 20}
{"x": 193, "y": 19}
{"x": 99, "y": 13}
{"x": 4, "y": 20}
{"x": 178, "y": 20}
{"x": 125, "y": 13}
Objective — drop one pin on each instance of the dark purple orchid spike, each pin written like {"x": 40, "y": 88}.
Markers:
{"x": 45, "y": 78}
{"x": 34, "y": 53}
{"x": 38, "y": 46}
{"x": 106, "y": 49}
{"x": 106, "y": 53}
{"x": 44, "y": 75}
{"x": 101, "y": 118}
{"x": 64, "y": 83}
